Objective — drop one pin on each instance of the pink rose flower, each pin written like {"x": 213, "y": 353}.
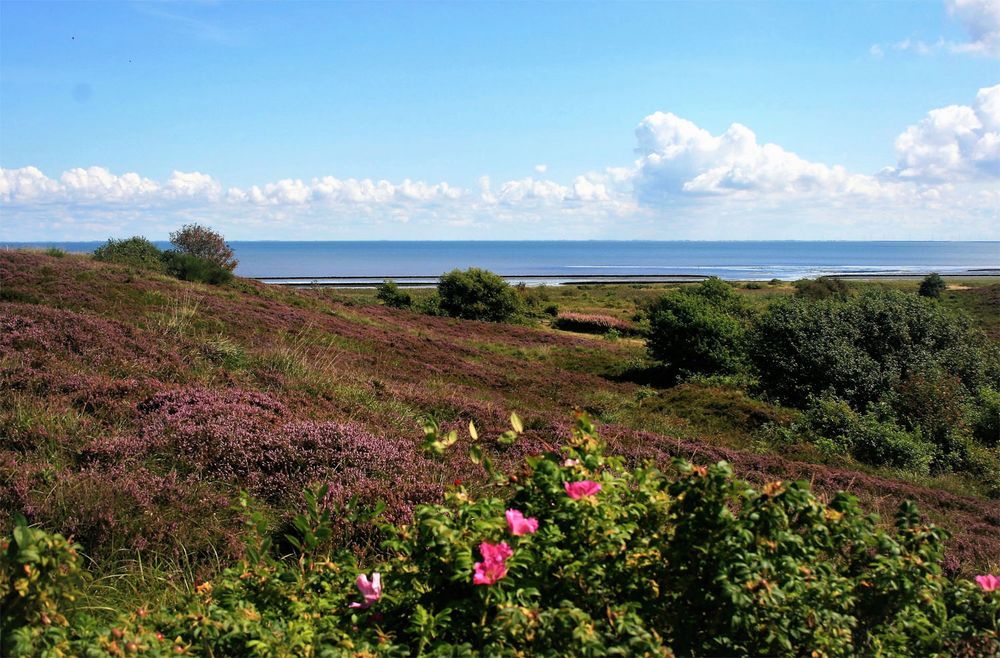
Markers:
{"x": 989, "y": 582}
{"x": 371, "y": 591}
{"x": 519, "y": 525}
{"x": 494, "y": 564}
{"x": 577, "y": 490}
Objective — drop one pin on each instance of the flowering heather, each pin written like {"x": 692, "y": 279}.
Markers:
{"x": 592, "y": 324}
{"x": 83, "y": 338}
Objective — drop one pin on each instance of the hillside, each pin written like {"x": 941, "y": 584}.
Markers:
{"x": 134, "y": 407}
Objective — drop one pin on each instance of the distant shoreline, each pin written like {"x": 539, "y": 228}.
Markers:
{"x": 418, "y": 281}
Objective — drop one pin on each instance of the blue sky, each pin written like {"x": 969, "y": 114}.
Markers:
{"x": 705, "y": 120}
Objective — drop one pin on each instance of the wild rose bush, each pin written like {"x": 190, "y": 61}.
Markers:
{"x": 574, "y": 555}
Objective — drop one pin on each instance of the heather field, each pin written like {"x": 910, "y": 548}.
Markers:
{"x": 135, "y": 407}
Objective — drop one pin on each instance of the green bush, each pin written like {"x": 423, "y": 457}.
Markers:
{"x": 985, "y": 416}
{"x": 476, "y": 294}
{"x": 861, "y": 347}
{"x": 698, "y": 330}
{"x": 55, "y": 252}
{"x": 824, "y": 287}
{"x": 932, "y": 285}
{"x": 390, "y": 294}
{"x": 870, "y": 438}
{"x": 191, "y": 268}
{"x": 574, "y": 555}
{"x": 134, "y": 252}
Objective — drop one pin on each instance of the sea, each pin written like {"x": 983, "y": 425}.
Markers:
{"x": 568, "y": 261}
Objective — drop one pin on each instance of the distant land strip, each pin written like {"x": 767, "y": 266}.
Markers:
{"x": 413, "y": 280}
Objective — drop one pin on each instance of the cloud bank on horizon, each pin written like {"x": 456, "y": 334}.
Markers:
{"x": 685, "y": 182}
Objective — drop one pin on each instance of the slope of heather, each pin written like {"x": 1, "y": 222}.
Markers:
{"x": 134, "y": 407}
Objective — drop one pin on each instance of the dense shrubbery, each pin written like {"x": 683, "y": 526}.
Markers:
{"x": 572, "y": 555}
{"x": 204, "y": 243}
{"x": 864, "y": 346}
{"x": 134, "y": 252}
{"x": 476, "y": 294}
{"x": 390, "y": 294}
{"x": 188, "y": 267}
{"x": 699, "y": 330}
{"x": 911, "y": 376}
{"x": 932, "y": 285}
{"x": 201, "y": 256}
{"x": 822, "y": 288}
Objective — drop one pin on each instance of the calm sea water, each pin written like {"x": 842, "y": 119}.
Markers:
{"x": 731, "y": 260}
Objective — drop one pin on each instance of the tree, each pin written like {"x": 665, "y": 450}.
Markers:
{"x": 476, "y": 294}
{"x": 932, "y": 285}
{"x": 389, "y": 294}
{"x": 204, "y": 243}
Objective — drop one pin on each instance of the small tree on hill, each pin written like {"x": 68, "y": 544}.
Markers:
{"x": 476, "y": 294}
{"x": 932, "y": 285}
{"x": 203, "y": 242}
{"x": 389, "y": 294}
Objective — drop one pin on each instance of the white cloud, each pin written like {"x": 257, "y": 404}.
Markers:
{"x": 25, "y": 184}
{"x": 677, "y": 158}
{"x": 541, "y": 168}
{"x": 684, "y": 182}
{"x": 954, "y": 143}
{"x": 982, "y": 20}
{"x": 192, "y": 184}
{"x": 99, "y": 184}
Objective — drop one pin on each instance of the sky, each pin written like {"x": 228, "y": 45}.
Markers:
{"x": 491, "y": 120}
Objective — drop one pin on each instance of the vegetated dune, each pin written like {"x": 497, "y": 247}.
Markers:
{"x": 134, "y": 407}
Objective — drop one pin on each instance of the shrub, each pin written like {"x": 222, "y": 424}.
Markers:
{"x": 698, "y": 330}
{"x": 389, "y": 294}
{"x": 55, "y": 252}
{"x": 592, "y": 324}
{"x": 863, "y": 346}
{"x": 551, "y": 309}
{"x": 204, "y": 243}
{"x": 134, "y": 252}
{"x": 575, "y": 555}
{"x": 832, "y": 424}
{"x": 476, "y": 294}
{"x": 188, "y": 267}
{"x": 822, "y": 288}
{"x": 985, "y": 416}
{"x": 932, "y": 286}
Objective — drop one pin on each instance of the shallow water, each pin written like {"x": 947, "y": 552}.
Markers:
{"x": 731, "y": 260}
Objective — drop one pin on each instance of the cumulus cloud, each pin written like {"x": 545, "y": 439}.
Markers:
{"x": 954, "y": 143}
{"x": 678, "y": 158}
{"x": 541, "y": 168}
{"x": 684, "y": 182}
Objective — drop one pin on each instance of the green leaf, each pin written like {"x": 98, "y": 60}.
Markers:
{"x": 515, "y": 422}
{"x": 472, "y": 431}
{"x": 475, "y": 454}
{"x": 507, "y": 438}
